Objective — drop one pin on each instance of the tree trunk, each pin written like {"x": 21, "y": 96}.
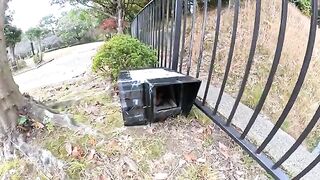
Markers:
{"x": 14, "y": 59}
{"x": 120, "y": 17}
{"x": 32, "y": 48}
{"x": 10, "y": 97}
{"x": 40, "y": 51}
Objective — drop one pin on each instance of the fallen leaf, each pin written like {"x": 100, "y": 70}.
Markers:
{"x": 77, "y": 152}
{"x": 189, "y": 157}
{"x": 113, "y": 144}
{"x": 224, "y": 150}
{"x": 132, "y": 165}
{"x": 91, "y": 154}
{"x": 22, "y": 120}
{"x": 92, "y": 141}
{"x": 104, "y": 177}
{"x": 208, "y": 131}
{"x": 37, "y": 125}
{"x": 160, "y": 176}
{"x": 68, "y": 147}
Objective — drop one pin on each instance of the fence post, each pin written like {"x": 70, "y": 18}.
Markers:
{"x": 177, "y": 33}
{"x": 137, "y": 27}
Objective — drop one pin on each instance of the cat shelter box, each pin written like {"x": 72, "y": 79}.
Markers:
{"x": 151, "y": 95}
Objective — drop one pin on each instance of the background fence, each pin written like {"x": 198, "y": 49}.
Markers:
{"x": 170, "y": 27}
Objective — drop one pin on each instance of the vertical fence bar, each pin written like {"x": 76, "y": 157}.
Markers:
{"x": 153, "y": 24}
{"x": 230, "y": 55}
{"x": 156, "y": 30}
{"x": 299, "y": 83}
{"x": 167, "y": 30}
{"x": 171, "y": 32}
{"x": 137, "y": 30}
{"x": 273, "y": 70}
{"x": 159, "y": 33}
{"x": 301, "y": 138}
{"x": 162, "y": 29}
{"x": 275, "y": 61}
{"x": 148, "y": 24}
{"x": 250, "y": 60}
{"x": 183, "y": 38}
{"x": 194, "y": 11}
{"x": 214, "y": 52}
{"x": 203, "y": 34}
{"x": 308, "y": 168}
{"x": 144, "y": 27}
{"x": 177, "y": 33}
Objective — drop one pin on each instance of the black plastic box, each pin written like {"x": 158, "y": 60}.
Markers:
{"x": 150, "y": 95}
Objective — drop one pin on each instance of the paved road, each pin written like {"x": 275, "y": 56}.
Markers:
{"x": 75, "y": 62}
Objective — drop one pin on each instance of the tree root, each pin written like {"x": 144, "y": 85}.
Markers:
{"x": 42, "y": 159}
{"x": 43, "y": 114}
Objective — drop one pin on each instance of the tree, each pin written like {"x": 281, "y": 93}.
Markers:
{"x": 74, "y": 25}
{"x": 14, "y": 105}
{"x": 122, "y": 10}
{"x": 35, "y": 34}
{"x": 13, "y": 36}
{"x": 49, "y": 23}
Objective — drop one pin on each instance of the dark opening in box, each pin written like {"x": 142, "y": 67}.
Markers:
{"x": 166, "y": 97}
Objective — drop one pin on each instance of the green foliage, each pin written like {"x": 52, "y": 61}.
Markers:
{"x": 34, "y": 34}
{"x": 49, "y": 23}
{"x": 8, "y": 165}
{"x": 303, "y": 5}
{"x": 22, "y": 120}
{"x": 123, "y": 52}
{"x": 74, "y": 25}
{"x": 12, "y": 34}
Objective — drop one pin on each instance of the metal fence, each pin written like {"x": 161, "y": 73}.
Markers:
{"x": 162, "y": 24}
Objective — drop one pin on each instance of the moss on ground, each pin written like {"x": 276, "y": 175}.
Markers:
{"x": 198, "y": 172}
{"x": 8, "y": 165}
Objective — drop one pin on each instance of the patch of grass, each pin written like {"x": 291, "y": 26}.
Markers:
{"x": 247, "y": 160}
{"x": 56, "y": 144}
{"x": 152, "y": 148}
{"x": 103, "y": 98}
{"x": 113, "y": 121}
{"x": 75, "y": 169}
{"x": 252, "y": 95}
{"x": 198, "y": 172}
{"x": 144, "y": 166}
{"x": 8, "y": 165}
{"x": 197, "y": 114}
{"x": 113, "y": 148}
{"x": 313, "y": 138}
{"x": 285, "y": 126}
{"x": 80, "y": 117}
{"x": 15, "y": 177}
{"x": 208, "y": 141}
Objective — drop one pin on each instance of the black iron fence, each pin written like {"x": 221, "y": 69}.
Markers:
{"x": 169, "y": 27}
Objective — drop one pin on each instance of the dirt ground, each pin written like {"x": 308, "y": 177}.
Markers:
{"x": 178, "y": 148}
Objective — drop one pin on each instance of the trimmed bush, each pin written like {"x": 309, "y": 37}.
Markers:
{"x": 123, "y": 52}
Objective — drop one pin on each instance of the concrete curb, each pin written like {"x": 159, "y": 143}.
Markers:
{"x": 36, "y": 67}
{"x": 277, "y": 146}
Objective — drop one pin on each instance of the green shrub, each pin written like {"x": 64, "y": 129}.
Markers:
{"x": 123, "y": 52}
{"x": 303, "y": 5}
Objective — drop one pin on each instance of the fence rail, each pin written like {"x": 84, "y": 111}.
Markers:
{"x": 164, "y": 25}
